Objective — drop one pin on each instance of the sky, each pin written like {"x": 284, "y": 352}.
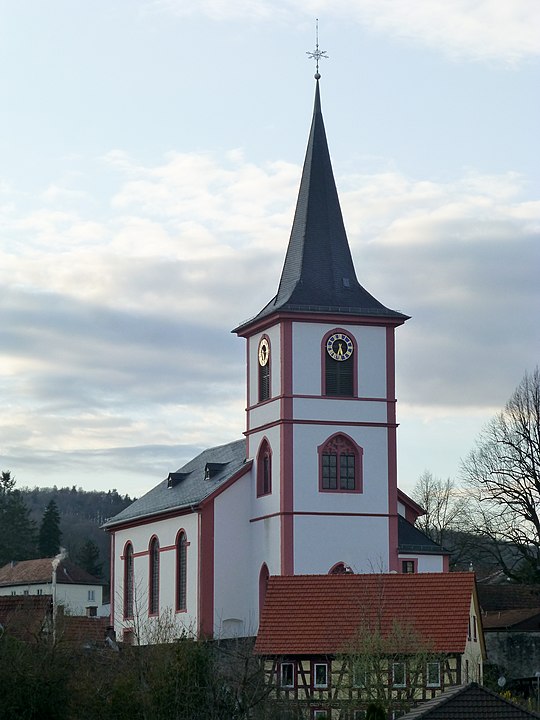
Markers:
{"x": 150, "y": 158}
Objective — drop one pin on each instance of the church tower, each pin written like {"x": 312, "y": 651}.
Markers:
{"x": 321, "y": 417}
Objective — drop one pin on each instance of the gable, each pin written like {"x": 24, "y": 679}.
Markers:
{"x": 197, "y": 480}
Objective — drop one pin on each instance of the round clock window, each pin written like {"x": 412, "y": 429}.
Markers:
{"x": 339, "y": 346}
{"x": 264, "y": 352}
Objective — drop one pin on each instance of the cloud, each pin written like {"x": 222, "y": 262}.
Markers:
{"x": 115, "y": 319}
{"x": 486, "y": 30}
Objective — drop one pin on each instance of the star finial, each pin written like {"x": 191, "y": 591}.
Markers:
{"x": 317, "y": 54}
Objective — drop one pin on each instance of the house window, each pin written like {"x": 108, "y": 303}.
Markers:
{"x": 39, "y": 591}
{"x": 264, "y": 469}
{"x": 26, "y": 592}
{"x": 466, "y": 671}
{"x": 321, "y": 715}
{"x": 320, "y": 675}
{"x": 359, "y": 676}
{"x": 433, "y": 674}
{"x": 398, "y": 674}
{"x": 286, "y": 675}
{"x": 128, "y": 637}
{"x": 339, "y": 363}
{"x": 181, "y": 571}
{"x": 153, "y": 590}
{"x": 340, "y": 465}
{"x": 13, "y": 592}
{"x": 407, "y": 566}
{"x": 475, "y": 633}
{"x": 128, "y": 581}
{"x": 469, "y": 630}
{"x": 91, "y": 596}
{"x": 264, "y": 369}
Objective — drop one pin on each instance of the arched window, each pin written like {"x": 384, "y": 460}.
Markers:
{"x": 128, "y": 581}
{"x": 263, "y": 357}
{"x": 181, "y": 571}
{"x": 339, "y": 364}
{"x": 153, "y": 590}
{"x": 264, "y": 469}
{"x": 263, "y": 586}
{"x": 340, "y": 465}
{"x": 340, "y": 569}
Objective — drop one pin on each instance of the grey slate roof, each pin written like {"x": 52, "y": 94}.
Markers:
{"x": 318, "y": 274}
{"x": 469, "y": 702}
{"x": 413, "y": 540}
{"x": 193, "y": 482}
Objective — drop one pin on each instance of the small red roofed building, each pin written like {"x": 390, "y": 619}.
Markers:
{"x": 335, "y": 642}
{"x": 76, "y": 590}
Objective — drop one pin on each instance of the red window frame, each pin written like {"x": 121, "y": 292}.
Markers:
{"x": 128, "y": 581}
{"x": 181, "y": 571}
{"x": 340, "y": 446}
{"x": 153, "y": 576}
{"x": 264, "y": 469}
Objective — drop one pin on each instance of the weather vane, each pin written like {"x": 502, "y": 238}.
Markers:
{"x": 317, "y": 54}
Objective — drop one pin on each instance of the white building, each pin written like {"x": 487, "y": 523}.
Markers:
{"x": 76, "y": 590}
{"x": 313, "y": 486}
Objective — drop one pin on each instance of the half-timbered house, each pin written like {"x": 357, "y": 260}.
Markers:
{"x": 336, "y": 643}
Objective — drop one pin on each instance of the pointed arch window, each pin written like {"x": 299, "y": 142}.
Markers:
{"x": 340, "y": 465}
{"x": 264, "y": 576}
{"x": 339, "y": 352}
{"x": 181, "y": 571}
{"x": 153, "y": 590}
{"x": 128, "y": 581}
{"x": 264, "y": 469}
{"x": 263, "y": 357}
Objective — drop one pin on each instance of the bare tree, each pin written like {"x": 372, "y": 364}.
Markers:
{"x": 503, "y": 475}
{"x": 444, "y": 506}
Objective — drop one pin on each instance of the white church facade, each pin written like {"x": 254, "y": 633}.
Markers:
{"x": 312, "y": 486}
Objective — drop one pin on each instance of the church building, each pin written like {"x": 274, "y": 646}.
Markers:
{"x": 312, "y": 488}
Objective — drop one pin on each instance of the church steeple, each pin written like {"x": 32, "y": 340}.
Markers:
{"x": 318, "y": 274}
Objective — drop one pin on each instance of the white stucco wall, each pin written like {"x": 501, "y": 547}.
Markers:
{"x": 360, "y": 542}
{"x": 266, "y": 504}
{"x": 74, "y": 598}
{"x": 373, "y": 499}
{"x": 233, "y": 573}
{"x": 425, "y": 563}
{"x": 370, "y": 358}
{"x": 166, "y": 532}
{"x": 273, "y": 334}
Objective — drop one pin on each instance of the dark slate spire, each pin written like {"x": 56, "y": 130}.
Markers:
{"x": 318, "y": 274}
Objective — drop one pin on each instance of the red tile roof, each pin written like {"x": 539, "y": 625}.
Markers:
{"x": 321, "y": 614}
{"x": 27, "y": 572}
{"x": 82, "y": 630}
{"x": 24, "y": 616}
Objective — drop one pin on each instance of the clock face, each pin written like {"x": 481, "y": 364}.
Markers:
{"x": 339, "y": 346}
{"x": 264, "y": 352}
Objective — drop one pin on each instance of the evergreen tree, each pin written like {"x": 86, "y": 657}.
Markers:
{"x": 88, "y": 559}
{"x": 49, "y": 531}
{"x": 18, "y": 536}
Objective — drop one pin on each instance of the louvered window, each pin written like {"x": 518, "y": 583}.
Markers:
{"x": 339, "y": 377}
